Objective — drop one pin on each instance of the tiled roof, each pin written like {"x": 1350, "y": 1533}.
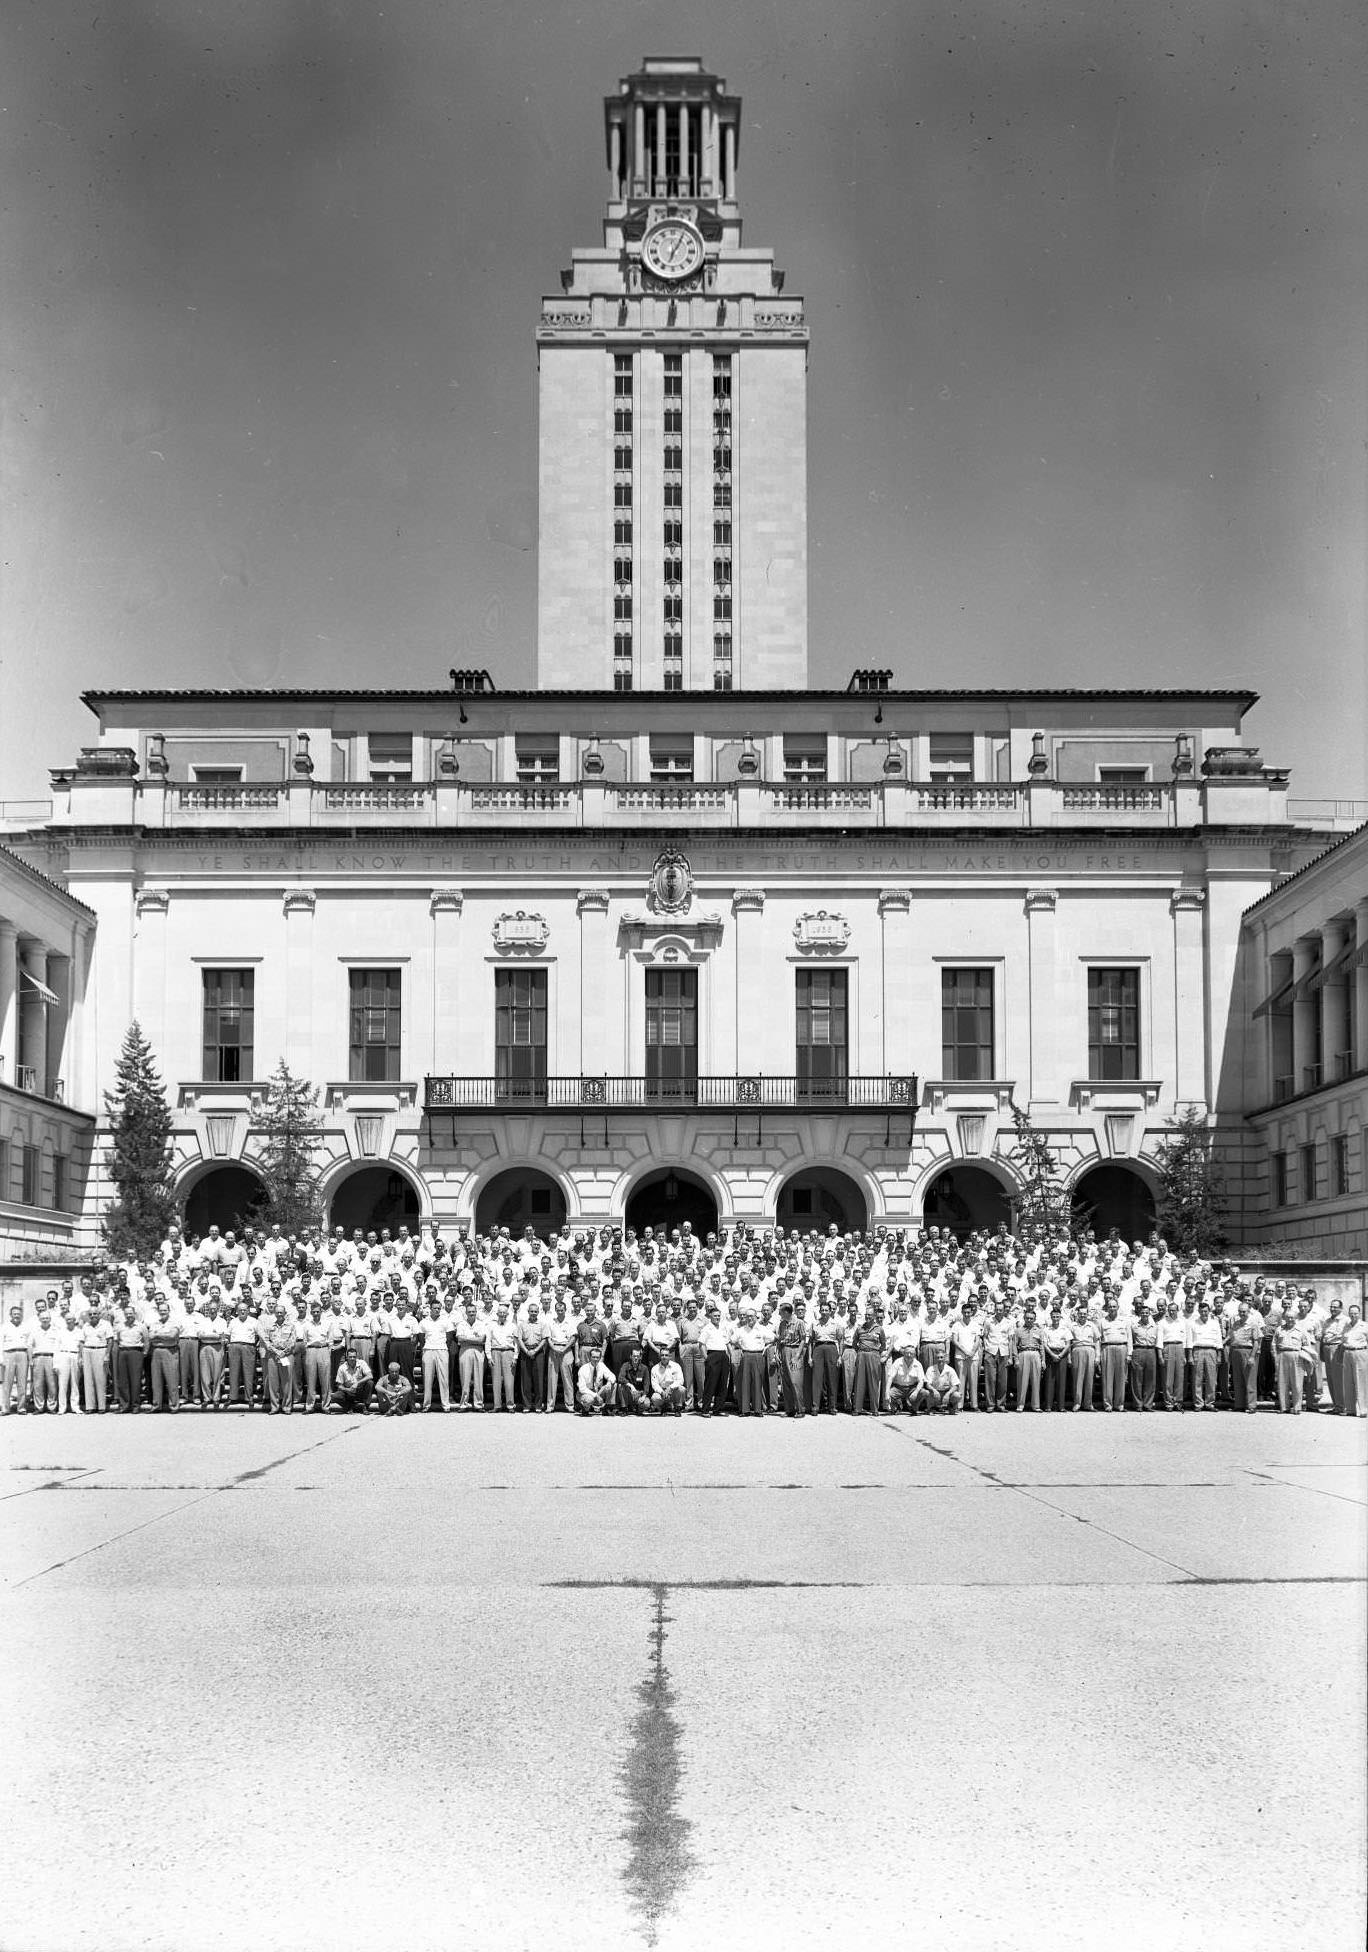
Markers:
{"x": 721, "y": 700}
{"x": 1344, "y": 840}
{"x": 36, "y": 874}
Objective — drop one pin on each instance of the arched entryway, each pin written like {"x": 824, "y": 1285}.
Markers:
{"x": 819, "y": 1197}
{"x": 519, "y": 1198}
{"x": 224, "y": 1197}
{"x": 1114, "y": 1196}
{"x": 666, "y": 1199}
{"x": 373, "y": 1197}
{"x": 967, "y": 1200}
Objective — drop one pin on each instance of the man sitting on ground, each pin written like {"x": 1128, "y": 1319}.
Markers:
{"x": 394, "y": 1393}
{"x": 354, "y": 1385}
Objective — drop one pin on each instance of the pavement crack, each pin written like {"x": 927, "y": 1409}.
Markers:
{"x": 659, "y": 1861}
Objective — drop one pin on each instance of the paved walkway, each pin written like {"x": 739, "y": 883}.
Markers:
{"x": 508, "y": 1682}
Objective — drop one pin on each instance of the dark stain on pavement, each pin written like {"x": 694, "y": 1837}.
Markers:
{"x": 659, "y": 1861}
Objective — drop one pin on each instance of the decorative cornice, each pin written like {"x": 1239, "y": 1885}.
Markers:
{"x": 895, "y": 901}
{"x": 747, "y": 898}
{"x": 299, "y": 901}
{"x": 446, "y": 901}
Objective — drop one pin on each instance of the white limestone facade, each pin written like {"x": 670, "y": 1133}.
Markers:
{"x": 48, "y": 1097}
{"x": 827, "y": 1014}
{"x": 1298, "y": 1045}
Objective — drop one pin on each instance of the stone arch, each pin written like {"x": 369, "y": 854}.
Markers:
{"x": 372, "y": 1195}
{"x": 665, "y": 1193}
{"x": 223, "y": 1193}
{"x": 968, "y": 1196}
{"x": 521, "y": 1196}
{"x": 1115, "y": 1194}
{"x": 813, "y": 1196}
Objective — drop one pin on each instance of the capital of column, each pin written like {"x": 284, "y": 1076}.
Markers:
{"x": 1041, "y": 901}
{"x": 747, "y": 898}
{"x": 151, "y": 901}
{"x": 592, "y": 898}
{"x": 449, "y": 901}
{"x": 299, "y": 901}
{"x": 1187, "y": 898}
{"x": 895, "y": 901}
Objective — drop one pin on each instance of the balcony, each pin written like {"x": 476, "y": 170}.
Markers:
{"x": 604, "y": 1097}
{"x": 893, "y": 804}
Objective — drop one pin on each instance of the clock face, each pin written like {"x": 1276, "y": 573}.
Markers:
{"x": 672, "y": 250}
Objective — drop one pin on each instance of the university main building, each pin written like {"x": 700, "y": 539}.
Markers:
{"x": 673, "y": 936}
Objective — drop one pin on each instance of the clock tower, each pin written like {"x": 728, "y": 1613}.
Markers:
{"x": 672, "y": 420}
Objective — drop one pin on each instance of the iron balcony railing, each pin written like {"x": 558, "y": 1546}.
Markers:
{"x": 448, "y": 1096}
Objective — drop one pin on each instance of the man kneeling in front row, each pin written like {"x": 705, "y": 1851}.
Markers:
{"x": 944, "y": 1391}
{"x": 394, "y": 1393}
{"x": 907, "y": 1386}
{"x": 354, "y": 1383}
{"x": 667, "y": 1387}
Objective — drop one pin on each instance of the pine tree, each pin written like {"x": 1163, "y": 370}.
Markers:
{"x": 1043, "y": 1205}
{"x": 288, "y": 1132}
{"x": 1191, "y": 1192}
{"x": 136, "y": 1221}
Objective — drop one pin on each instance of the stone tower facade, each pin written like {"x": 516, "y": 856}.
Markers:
{"x": 672, "y": 409}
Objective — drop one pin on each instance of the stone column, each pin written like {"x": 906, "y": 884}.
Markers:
{"x": 1360, "y": 1006}
{"x": 729, "y": 162}
{"x": 1305, "y": 1004}
{"x": 1189, "y": 998}
{"x": 58, "y": 1018}
{"x": 895, "y": 915}
{"x": 615, "y": 162}
{"x": 446, "y": 905}
{"x": 33, "y": 1014}
{"x": 683, "y": 149}
{"x": 708, "y": 185}
{"x": 1335, "y": 1001}
{"x": 150, "y": 906}
{"x": 1043, "y": 997}
{"x": 299, "y": 914}
{"x": 753, "y": 1002}
{"x": 594, "y": 1057}
{"x": 639, "y": 182}
{"x": 659, "y": 185}
{"x": 9, "y": 1001}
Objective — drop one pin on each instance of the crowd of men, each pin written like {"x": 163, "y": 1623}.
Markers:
{"x": 749, "y": 1322}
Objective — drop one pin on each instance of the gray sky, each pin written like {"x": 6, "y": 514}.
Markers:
{"x": 1086, "y": 288}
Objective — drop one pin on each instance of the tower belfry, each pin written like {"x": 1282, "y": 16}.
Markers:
{"x": 672, "y": 420}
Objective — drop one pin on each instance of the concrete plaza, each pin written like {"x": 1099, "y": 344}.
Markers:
{"x": 522, "y": 1681}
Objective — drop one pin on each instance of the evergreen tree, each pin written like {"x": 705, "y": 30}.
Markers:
{"x": 137, "y": 1219}
{"x": 288, "y": 1133}
{"x": 1191, "y": 1192}
{"x": 1043, "y": 1205}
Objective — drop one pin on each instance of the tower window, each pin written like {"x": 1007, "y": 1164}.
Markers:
{"x": 674, "y": 459}
{"x": 722, "y": 494}
{"x": 674, "y": 376}
{"x": 722, "y": 569}
{"x": 671, "y": 759}
{"x": 538, "y": 758}
{"x": 722, "y": 646}
{"x": 722, "y": 422}
{"x": 722, "y": 679}
{"x": 622, "y": 533}
{"x": 722, "y": 608}
{"x": 622, "y": 569}
{"x": 622, "y": 680}
{"x": 674, "y": 609}
{"x": 672, "y": 570}
{"x": 722, "y": 535}
{"x": 622, "y": 375}
{"x": 622, "y": 608}
{"x": 622, "y": 494}
{"x": 722, "y": 460}
{"x": 622, "y": 643}
{"x": 674, "y": 420}
{"x": 674, "y": 677}
{"x": 622, "y": 459}
{"x": 952, "y": 757}
{"x": 674, "y": 494}
{"x": 674, "y": 535}
{"x": 674, "y": 645}
{"x": 622, "y": 420}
